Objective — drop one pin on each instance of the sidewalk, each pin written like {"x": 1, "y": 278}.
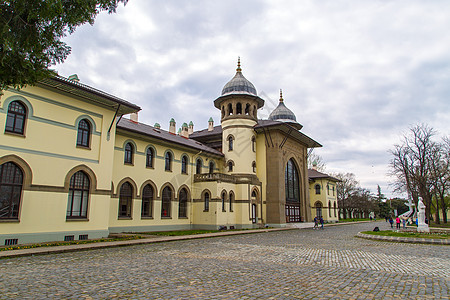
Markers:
{"x": 150, "y": 240}
{"x": 161, "y": 239}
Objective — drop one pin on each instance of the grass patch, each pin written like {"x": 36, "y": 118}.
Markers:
{"x": 352, "y": 220}
{"x": 179, "y": 232}
{"x": 442, "y": 225}
{"x": 52, "y": 244}
{"x": 411, "y": 234}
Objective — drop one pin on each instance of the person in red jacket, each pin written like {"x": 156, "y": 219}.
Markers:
{"x": 397, "y": 221}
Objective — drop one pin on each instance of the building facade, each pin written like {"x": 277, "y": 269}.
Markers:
{"x": 72, "y": 167}
{"x": 323, "y": 195}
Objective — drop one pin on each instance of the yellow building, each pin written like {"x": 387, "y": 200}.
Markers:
{"x": 72, "y": 167}
{"x": 323, "y": 197}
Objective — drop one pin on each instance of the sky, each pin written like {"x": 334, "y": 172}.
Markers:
{"x": 357, "y": 74}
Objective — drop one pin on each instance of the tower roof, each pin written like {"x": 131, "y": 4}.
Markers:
{"x": 282, "y": 113}
{"x": 239, "y": 84}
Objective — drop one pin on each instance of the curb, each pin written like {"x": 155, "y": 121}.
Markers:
{"x": 102, "y": 245}
{"x": 403, "y": 239}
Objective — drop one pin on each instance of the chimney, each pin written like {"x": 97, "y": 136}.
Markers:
{"x": 211, "y": 124}
{"x": 134, "y": 117}
{"x": 172, "y": 125}
{"x": 314, "y": 165}
{"x": 157, "y": 126}
{"x": 74, "y": 77}
{"x": 191, "y": 128}
{"x": 184, "y": 130}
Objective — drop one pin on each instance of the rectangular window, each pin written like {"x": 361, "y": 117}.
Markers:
{"x": 10, "y": 242}
{"x": 83, "y": 237}
{"x": 69, "y": 238}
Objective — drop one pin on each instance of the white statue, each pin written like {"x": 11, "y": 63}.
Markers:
{"x": 421, "y": 214}
{"x": 421, "y": 225}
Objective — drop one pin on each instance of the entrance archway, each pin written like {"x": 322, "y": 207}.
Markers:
{"x": 292, "y": 189}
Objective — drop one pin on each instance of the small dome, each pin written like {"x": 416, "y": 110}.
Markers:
{"x": 282, "y": 113}
{"x": 239, "y": 84}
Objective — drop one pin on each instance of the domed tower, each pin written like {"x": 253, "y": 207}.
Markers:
{"x": 283, "y": 114}
{"x": 239, "y": 106}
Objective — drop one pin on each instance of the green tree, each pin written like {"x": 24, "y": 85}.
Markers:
{"x": 399, "y": 204}
{"x": 31, "y": 33}
{"x": 382, "y": 208}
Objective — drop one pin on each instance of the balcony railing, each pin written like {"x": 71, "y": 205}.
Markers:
{"x": 220, "y": 177}
{"x": 214, "y": 177}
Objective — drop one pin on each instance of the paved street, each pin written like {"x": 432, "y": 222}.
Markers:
{"x": 294, "y": 264}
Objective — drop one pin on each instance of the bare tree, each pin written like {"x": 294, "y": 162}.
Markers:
{"x": 315, "y": 161}
{"x": 345, "y": 189}
{"x": 440, "y": 169}
{"x": 412, "y": 164}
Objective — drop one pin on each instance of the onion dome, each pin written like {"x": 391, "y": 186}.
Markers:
{"x": 282, "y": 113}
{"x": 239, "y": 84}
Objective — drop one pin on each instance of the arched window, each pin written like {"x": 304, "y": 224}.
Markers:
{"x": 333, "y": 190}
{"x": 84, "y": 133}
{"x": 230, "y": 109}
{"x": 238, "y": 108}
{"x": 150, "y": 157}
{"x": 292, "y": 182}
{"x": 247, "y": 109}
{"x": 15, "y": 119}
{"x": 224, "y": 199}
{"x": 206, "y": 198}
{"x": 147, "y": 201}
{"x": 230, "y": 200}
{"x": 211, "y": 167}
{"x": 328, "y": 189}
{"x": 182, "y": 203}
{"x": 254, "y": 207}
{"x": 230, "y": 166}
{"x": 166, "y": 202}
{"x": 168, "y": 161}
{"x": 329, "y": 208}
{"x": 317, "y": 188}
{"x": 254, "y": 167}
{"x": 128, "y": 157}
{"x": 125, "y": 200}
{"x": 184, "y": 162}
{"x": 77, "y": 203}
{"x": 230, "y": 143}
{"x": 334, "y": 206}
{"x": 198, "y": 166}
{"x": 11, "y": 181}
{"x": 253, "y": 144}
{"x": 318, "y": 209}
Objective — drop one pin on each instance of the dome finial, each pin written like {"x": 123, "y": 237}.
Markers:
{"x": 281, "y": 96}
{"x": 239, "y": 65}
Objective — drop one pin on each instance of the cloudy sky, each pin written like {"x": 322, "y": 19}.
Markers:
{"x": 357, "y": 74}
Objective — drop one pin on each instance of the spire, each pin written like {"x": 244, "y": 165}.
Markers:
{"x": 239, "y": 65}
{"x": 281, "y": 96}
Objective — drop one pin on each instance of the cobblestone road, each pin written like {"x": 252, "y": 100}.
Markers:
{"x": 295, "y": 264}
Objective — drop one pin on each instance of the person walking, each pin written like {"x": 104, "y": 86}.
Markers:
{"x": 397, "y": 222}
{"x": 404, "y": 223}
{"x": 391, "y": 222}
{"x": 321, "y": 222}
{"x": 316, "y": 223}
